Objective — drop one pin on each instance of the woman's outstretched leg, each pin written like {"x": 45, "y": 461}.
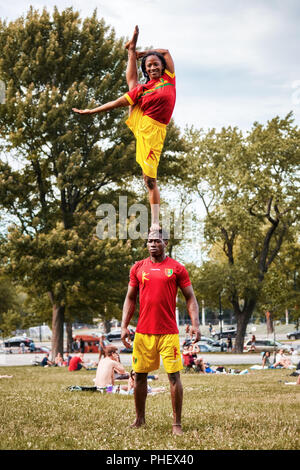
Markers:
{"x": 131, "y": 70}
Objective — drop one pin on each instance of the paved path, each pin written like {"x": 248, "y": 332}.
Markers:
{"x": 213, "y": 359}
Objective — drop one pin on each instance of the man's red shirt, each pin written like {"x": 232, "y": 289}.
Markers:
{"x": 75, "y": 360}
{"x": 158, "y": 284}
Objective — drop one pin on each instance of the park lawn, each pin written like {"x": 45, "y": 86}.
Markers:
{"x": 252, "y": 411}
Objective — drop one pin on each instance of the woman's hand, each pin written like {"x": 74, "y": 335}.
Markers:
{"x": 82, "y": 111}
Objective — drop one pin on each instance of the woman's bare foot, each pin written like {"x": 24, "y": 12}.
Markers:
{"x": 154, "y": 227}
{"x": 132, "y": 43}
{"x": 138, "y": 423}
{"x": 177, "y": 430}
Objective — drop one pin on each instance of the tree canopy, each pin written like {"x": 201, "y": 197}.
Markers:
{"x": 249, "y": 187}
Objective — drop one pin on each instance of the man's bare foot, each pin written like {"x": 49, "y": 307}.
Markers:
{"x": 177, "y": 430}
{"x": 132, "y": 43}
{"x": 138, "y": 423}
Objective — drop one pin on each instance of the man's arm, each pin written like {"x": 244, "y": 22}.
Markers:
{"x": 165, "y": 53}
{"x": 193, "y": 311}
{"x": 128, "y": 311}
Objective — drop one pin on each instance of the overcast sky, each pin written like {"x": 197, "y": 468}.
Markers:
{"x": 237, "y": 61}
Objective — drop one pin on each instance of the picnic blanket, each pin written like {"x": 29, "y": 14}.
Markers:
{"x": 259, "y": 367}
{"x": 109, "y": 389}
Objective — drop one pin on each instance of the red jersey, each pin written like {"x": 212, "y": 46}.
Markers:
{"x": 158, "y": 283}
{"x": 74, "y": 363}
{"x": 155, "y": 98}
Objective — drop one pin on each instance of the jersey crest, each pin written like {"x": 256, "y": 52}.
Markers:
{"x": 168, "y": 272}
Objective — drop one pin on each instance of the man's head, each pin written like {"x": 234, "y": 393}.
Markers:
{"x": 157, "y": 243}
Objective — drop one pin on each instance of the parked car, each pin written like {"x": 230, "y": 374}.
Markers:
{"x": 42, "y": 349}
{"x": 210, "y": 341}
{"x": 115, "y": 335}
{"x": 15, "y": 341}
{"x": 206, "y": 348}
{"x": 262, "y": 345}
{"x": 293, "y": 335}
{"x": 224, "y": 334}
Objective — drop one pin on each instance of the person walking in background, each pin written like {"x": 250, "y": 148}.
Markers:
{"x": 229, "y": 343}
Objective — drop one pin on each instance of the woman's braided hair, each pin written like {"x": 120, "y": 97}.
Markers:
{"x": 143, "y": 66}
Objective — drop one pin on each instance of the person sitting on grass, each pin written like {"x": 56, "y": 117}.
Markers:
{"x": 76, "y": 363}
{"x": 266, "y": 356}
{"x": 46, "y": 361}
{"x": 59, "y": 361}
{"x": 107, "y": 367}
{"x": 282, "y": 360}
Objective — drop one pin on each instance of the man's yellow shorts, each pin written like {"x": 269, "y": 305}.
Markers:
{"x": 150, "y": 136}
{"x": 147, "y": 350}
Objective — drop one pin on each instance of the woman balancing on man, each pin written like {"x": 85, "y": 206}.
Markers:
{"x": 151, "y": 107}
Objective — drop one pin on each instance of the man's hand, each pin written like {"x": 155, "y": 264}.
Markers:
{"x": 125, "y": 336}
{"x": 82, "y": 111}
{"x": 194, "y": 331}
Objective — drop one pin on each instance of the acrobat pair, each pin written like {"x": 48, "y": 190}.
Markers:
{"x": 150, "y": 110}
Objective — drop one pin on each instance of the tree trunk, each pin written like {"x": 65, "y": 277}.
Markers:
{"x": 270, "y": 327}
{"x": 107, "y": 326}
{"x": 57, "y": 345}
{"x": 69, "y": 336}
{"x": 242, "y": 322}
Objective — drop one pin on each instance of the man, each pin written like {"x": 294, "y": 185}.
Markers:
{"x": 107, "y": 367}
{"x": 46, "y": 361}
{"x": 76, "y": 362}
{"x": 156, "y": 279}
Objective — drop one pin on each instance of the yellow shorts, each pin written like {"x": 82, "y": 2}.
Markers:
{"x": 147, "y": 350}
{"x": 150, "y": 136}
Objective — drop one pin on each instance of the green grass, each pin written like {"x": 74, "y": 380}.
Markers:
{"x": 253, "y": 411}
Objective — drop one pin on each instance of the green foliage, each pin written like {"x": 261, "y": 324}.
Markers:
{"x": 249, "y": 187}
{"x": 67, "y": 165}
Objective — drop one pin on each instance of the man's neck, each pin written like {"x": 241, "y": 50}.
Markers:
{"x": 158, "y": 259}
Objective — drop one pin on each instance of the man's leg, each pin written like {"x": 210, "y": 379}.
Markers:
{"x": 176, "y": 397}
{"x": 140, "y": 395}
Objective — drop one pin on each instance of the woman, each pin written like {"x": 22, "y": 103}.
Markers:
{"x": 266, "y": 357}
{"x": 151, "y": 107}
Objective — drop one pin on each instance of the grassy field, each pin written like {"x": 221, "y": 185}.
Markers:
{"x": 252, "y": 411}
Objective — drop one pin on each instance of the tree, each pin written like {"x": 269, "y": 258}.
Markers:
{"x": 281, "y": 290}
{"x": 66, "y": 164}
{"x": 249, "y": 187}
{"x": 10, "y": 315}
